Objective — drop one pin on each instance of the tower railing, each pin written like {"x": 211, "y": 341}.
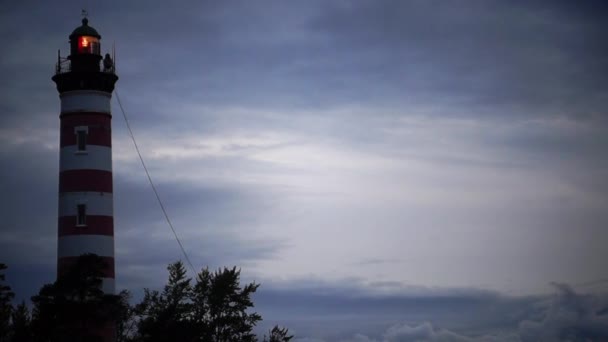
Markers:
{"x": 64, "y": 65}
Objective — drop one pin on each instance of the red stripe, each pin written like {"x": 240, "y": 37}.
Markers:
{"x": 77, "y": 116}
{"x": 64, "y": 264}
{"x": 85, "y": 181}
{"x": 96, "y": 225}
{"x": 99, "y": 127}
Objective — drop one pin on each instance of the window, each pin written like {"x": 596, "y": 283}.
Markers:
{"x": 89, "y": 45}
{"x": 81, "y": 215}
{"x": 81, "y": 138}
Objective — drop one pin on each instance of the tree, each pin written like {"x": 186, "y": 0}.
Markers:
{"x": 217, "y": 308}
{"x": 221, "y": 306}
{"x": 20, "y": 327}
{"x": 165, "y": 316}
{"x": 44, "y": 315}
{"x": 6, "y": 295}
{"x": 278, "y": 335}
{"x": 74, "y": 308}
{"x": 125, "y": 318}
{"x": 214, "y": 309}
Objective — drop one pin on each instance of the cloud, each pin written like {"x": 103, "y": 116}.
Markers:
{"x": 427, "y": 143}
{"x": 486, "y": 56}
{"x": 425, "y": 332}
{"x": 569, "y": 316}
{"x": 563, "y": 316}
{"x": 338, "y": 311}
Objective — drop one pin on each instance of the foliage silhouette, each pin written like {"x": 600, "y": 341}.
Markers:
{"x": 74, "y": 308}
{"x": 6, "y": 295}
{"x": 277, "y": 334}
{"x": 215, "y": 308}
{"x": 20, "y": 324}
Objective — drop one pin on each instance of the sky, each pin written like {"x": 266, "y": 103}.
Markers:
{"x": 380, "y": 167}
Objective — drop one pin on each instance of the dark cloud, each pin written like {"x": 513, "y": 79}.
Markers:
{"x": 144, "y": 243}
{"x": 29, "y": 228}
{"x": 334, "y": 312}
{"x": 515, "y": 56}
{"x": 564, "y": 316}
{"x": 511, "y": 88}
{"x": 496, "y": 55}
{"x": 569, "y": 316}
{"x": 29, "y": 200}
{"x": 481, "y": 58}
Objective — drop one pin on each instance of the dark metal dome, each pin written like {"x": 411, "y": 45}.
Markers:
{"x": 85, "y": 30}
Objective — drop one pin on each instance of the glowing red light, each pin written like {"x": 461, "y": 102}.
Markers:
{"x": 87, "y": 44}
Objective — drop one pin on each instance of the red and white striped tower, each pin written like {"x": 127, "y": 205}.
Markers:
{"x": 85, "y": 84}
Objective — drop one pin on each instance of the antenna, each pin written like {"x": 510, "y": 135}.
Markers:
{"x": 58, "y": 67}
{"x": 114, "y": 54}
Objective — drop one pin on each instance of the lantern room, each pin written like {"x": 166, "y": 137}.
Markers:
{"x": 85, "y": 67}
{"x": 85, "y": 40}
{"x": 88, "y": 44}
{"x": 85, "y": 49}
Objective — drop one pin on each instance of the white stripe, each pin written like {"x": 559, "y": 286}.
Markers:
{"x": 94, "y": 158}
{"x": 77, "y": 245}
{"x": 85, "y": 101}
{"x": 107, "y": 285}
{"x": 98, "y": 203}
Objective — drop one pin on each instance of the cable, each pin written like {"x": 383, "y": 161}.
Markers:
{"x": 160, "y": 203}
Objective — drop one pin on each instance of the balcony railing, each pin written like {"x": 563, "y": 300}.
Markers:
{"x": 64, "y": 65}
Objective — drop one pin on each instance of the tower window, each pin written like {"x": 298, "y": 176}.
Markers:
{"x": 81, "y": 138}
{"x": 88, "y": 45}
{"x": 81, "y": 215}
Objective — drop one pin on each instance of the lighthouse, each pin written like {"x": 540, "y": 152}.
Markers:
{"x": 85, "y": 81}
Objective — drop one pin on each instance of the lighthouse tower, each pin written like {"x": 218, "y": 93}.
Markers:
{"x": 85, "y": 81}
